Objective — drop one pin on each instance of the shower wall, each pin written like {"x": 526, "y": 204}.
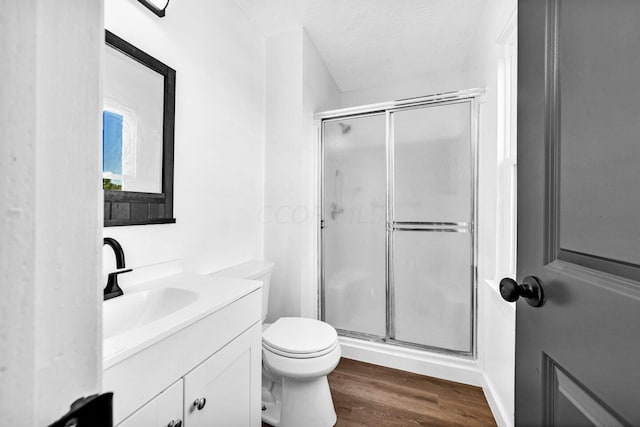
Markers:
{"x": 398, "y": 210}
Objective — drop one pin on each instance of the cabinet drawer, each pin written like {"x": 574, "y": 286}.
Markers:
{"x": 160, "y": 411}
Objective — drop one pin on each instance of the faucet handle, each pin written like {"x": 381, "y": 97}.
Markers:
{"x": 120, "y": 271}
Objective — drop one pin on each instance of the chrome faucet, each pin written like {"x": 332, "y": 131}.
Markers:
{"x": 112, "y": 289}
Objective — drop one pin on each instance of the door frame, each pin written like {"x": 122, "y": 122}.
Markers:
{"x": 387, "y": 108}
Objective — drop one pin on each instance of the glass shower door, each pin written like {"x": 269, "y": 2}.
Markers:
{"x": 431, "y": 286}
{"x": 353, "y": 224}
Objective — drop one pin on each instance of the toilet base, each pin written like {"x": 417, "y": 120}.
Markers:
{"x": 271, "y": 400}
{"x": 271, "y": 413}
{"x": 306, "y": 403}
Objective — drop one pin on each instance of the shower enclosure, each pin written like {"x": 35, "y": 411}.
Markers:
{"x": 398, "y": 226}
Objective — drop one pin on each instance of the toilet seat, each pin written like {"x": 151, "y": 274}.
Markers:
{"x": 271, "y": 349}
{"x": 301, "y": 368}
{"x": 299, "y": 338}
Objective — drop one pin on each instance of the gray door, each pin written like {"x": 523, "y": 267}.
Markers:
{"x": 578, "y": 355}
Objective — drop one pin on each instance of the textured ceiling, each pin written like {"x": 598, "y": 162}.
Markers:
{"x": 366, "y": 43}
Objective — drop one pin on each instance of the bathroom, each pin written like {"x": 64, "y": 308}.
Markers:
{"x": 250, "y": 77}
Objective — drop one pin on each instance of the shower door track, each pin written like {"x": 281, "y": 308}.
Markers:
{"x": 382, "y": 107}
{"x": 386, "y": 108}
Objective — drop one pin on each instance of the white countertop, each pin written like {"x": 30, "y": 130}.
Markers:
{"x": 213, "y": 294}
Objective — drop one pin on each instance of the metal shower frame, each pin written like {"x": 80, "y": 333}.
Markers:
{"x": 387, "y": 108}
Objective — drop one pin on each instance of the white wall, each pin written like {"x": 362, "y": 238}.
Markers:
{"x": 50, "y": 344}
{"x": 442, "y": 81}
{"x": 496, "y": 318}
{"x": 298, "y": 84}
{"x": 219, "y": 133}
{"x": 320, "y": 93}
{"x": 282, "y": 171}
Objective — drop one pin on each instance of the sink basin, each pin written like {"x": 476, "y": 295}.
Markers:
{"x": 152, "y": 311}
{"x": 131, "y": 311}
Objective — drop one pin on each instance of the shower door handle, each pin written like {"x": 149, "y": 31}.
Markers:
{"x": 451, "y": 227}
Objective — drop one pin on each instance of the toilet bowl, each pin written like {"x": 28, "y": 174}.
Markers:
{"x": 297, "y": 355}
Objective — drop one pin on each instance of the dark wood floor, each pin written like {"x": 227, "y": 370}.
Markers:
{"x": 370, "y": 395}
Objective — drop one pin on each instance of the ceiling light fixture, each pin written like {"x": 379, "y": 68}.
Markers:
{"x": 156, "y": 6}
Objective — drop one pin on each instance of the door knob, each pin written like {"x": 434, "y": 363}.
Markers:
{"x": 530, "y": 289}
{"x": 175, "y": 423}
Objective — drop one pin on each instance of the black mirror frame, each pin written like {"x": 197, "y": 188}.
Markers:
{"x": 138, "y": 208}
{"x": 154, "y": 9}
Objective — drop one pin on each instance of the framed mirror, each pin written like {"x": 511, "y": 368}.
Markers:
{"x": 137, "y": 136}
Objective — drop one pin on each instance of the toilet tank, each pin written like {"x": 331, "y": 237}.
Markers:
{"x": 252, "y": 270}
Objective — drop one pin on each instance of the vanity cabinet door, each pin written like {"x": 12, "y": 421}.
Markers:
{"x": 161, "y": 411}
{"x": 225, "y": 390}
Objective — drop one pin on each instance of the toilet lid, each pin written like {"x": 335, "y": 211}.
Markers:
{"x": 298, "y": 335}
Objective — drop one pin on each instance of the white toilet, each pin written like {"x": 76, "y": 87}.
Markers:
{"x": 297, "y": 356}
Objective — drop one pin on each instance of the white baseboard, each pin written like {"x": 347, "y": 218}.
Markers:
{"x": 497, "y": 407}
{"x": 420, "y": 362}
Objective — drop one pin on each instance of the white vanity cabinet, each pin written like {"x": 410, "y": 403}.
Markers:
{"x": 225, "y": 389}
{"x": 163, "y": 411}
{"x": 216, "y": 354}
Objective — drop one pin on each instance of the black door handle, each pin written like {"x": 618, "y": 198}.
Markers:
{"x": 530, "y": 289}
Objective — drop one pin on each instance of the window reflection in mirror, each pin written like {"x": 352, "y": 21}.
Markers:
{"x": 132, "y": 125}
